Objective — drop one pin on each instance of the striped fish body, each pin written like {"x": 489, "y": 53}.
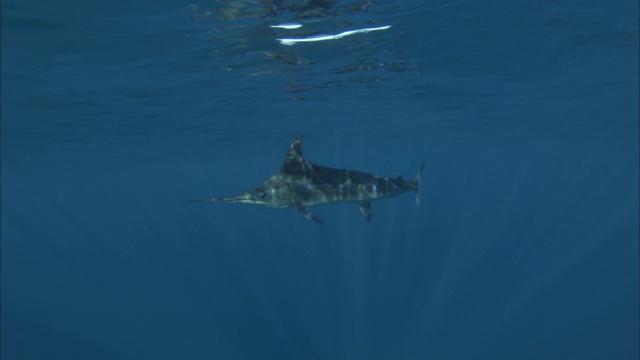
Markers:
{"x": 301, "y": 184}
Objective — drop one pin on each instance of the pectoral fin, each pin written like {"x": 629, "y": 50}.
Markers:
{"x": 306, "y": 213}
{"x": 365, "y": 209}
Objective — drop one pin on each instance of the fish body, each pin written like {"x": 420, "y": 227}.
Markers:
{"x": 301, "y": 184}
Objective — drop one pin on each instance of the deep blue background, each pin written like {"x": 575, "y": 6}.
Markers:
{"x": 525, "y": 247}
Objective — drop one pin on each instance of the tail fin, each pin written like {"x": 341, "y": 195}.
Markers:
{"x": 418, "y": 179}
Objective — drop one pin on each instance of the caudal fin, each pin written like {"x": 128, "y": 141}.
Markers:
{"x": 418, "y": 179}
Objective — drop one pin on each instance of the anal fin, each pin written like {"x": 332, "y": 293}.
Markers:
{"x": 365, "y": 209}
{"x": 306, "y": 213}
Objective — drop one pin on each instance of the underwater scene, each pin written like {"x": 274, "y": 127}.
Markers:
{"x": 319, "y": 179}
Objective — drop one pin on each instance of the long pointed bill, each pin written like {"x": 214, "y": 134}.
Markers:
{"x": 244, "y": 198}
{"x": 240, "y": 198}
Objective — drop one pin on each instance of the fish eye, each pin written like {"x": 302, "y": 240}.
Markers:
{"x": 262, "y": 196}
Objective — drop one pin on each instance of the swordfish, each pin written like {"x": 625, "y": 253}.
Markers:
{"x": 301, "y": 184}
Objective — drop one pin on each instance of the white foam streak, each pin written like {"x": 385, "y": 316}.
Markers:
{"x": 290, "y": 42}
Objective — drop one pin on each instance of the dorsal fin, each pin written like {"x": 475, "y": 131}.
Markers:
{"x": 295, "y": 150}
{"x": 294, "y": 163}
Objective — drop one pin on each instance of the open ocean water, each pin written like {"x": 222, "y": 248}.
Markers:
{"x": 525, "y": 245}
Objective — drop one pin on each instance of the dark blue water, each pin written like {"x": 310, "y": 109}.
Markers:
{"x": 525, "y": 246}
